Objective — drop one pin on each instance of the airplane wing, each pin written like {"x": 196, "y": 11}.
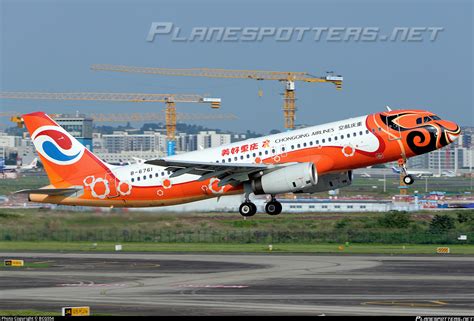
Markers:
{"x": 233, "y": 174}
{"x": 49, "y": 191}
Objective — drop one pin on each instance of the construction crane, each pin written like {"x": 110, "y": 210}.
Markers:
{"x": 289, "y": 77}
{"x": 169, "y": 99}
{"x": 130, "y": 117}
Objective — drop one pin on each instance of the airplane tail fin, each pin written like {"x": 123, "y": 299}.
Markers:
{"x": 66, "y": 161}
{"x": 34, "y": 163}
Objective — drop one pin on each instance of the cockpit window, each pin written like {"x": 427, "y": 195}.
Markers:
{"x": 427, "y": 119}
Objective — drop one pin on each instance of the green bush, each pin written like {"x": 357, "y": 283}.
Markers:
{"x": 464, "y": 217}
{"x": 342, "y": 224}
{"x": 441, "y": 223}
{"x": 395, "y": 219}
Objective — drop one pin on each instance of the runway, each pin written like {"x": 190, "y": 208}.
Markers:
{"x": 241, "y": 284}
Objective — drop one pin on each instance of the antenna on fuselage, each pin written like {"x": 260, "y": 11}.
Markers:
{"x": 388, "y": 108}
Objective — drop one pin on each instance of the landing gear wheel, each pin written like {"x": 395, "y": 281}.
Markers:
{"x": 247, "y": 209}
{"x": 273, "y": 208}
{"x": 408, "y": 180}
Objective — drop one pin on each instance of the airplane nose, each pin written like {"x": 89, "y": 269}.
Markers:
{"x": 453, "y": 131}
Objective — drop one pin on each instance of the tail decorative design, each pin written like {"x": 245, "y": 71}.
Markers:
{"x": 65, "y": 159}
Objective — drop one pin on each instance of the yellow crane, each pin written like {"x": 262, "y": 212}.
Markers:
{"x": 169, "y": 99}
{"x": 131, "y": 117}
{"x": 289, "y": 77}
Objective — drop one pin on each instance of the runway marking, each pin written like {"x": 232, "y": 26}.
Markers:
{"x": 406, "y": 304}
{"x": 92, "y": 284}
{"x": 212, "y": 286}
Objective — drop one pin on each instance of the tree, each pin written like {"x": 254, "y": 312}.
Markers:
{"x": 395, "y": 219}
{"x": 441, "y": 223}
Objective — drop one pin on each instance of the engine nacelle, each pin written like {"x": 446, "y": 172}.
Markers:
{"x": 291, "y": 178}
{"x": 329, "y": 182}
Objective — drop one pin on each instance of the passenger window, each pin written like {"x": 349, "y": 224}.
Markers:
{"x": 329, "y": 139}
{"x": 133, "y": 180}
{"x": 323, "y": 141}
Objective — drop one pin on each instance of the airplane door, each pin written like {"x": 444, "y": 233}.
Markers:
{"x": 281, "y": 153}
{"x": 112, "y": 185}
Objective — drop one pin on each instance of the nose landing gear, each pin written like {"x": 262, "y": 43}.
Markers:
{"x": 407, "y": 178}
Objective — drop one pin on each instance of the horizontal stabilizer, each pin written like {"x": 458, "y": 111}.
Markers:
{"x": 49, "y": 191}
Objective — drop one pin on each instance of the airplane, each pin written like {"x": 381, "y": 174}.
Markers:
{"x": 307, "y": 160}
{"x": 418, "y": 174}
{"x": 22, "y": 168}
{"x": 449, "y": 174}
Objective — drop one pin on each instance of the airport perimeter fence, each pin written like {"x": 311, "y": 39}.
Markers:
{"x": 242, "y": 236}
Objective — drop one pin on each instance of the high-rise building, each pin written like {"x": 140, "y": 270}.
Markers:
{"x": 79, "y": 126}
{"x": 208, "y": 139}
{"x": 121, "y": 141}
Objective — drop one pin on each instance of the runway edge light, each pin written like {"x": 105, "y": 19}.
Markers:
{"x": 75, "y": 311}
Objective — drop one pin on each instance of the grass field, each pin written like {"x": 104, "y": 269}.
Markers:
{"x": 236, "y": 248}
{"x": 24, "y": 225}
{"x": 11, "y": 313}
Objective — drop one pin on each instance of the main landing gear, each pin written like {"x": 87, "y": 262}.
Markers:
{"x": 247, "y": 208}
{"x": 407, "y": 178}
{"x": 273, "y": 207}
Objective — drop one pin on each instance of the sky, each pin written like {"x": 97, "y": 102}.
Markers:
{"x": 49, "y": 46}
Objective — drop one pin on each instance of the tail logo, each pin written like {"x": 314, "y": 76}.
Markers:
{"x": 54, "y": 144}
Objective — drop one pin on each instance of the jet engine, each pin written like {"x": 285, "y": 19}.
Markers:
{"x": 291, "y": 178}
{"x": 329, "y": 182}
